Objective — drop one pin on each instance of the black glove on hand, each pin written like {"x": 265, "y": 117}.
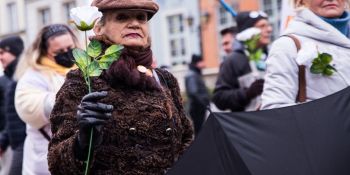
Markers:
{"x": 255, "y": 89}
{"x": 92, "y": 114}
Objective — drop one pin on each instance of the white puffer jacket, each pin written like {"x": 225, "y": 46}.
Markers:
{"x": 281, "y": 80}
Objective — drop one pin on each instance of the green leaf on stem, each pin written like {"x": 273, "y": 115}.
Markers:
{"x": 112, "y": 54}
{"x": 93, "y": 70}
{"x": 94, "y": 49}
{"x": 113, "y": 49}
{"x": 328, "y": 72}
{"x": 325, "y": 58}
{"x": 317, "y": 68}
{"x": 107, "y": 60}
{"x": 321, "y": 65}
{"x": 82, "y": 59}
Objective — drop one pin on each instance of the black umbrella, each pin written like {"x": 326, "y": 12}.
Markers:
{"x": 308, "y": 139}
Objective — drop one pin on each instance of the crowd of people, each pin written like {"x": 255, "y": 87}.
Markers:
{"x": 138, "y": 119}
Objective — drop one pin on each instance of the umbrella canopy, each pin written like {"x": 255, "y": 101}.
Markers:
{"x": 308, "y": 139}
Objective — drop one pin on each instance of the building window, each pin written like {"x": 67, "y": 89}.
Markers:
{"x": 12, "y": 19}
{"x": 268, "y": 7}
{"x": 44, "y": 16}
{"x": 225, "y": 20}
{"x": 224, "y": 17}
{"x": 176, "y": 24}
{"x": 66, "y": 8}
{"x": 177, "y": 39}
{"x": 273, "y": 9}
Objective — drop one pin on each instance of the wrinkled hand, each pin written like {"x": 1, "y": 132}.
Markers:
{"x": 255, "y": 89}
{"x": 92, "y": 114}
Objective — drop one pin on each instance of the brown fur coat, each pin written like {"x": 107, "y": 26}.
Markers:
{"x": 146, "y": 135}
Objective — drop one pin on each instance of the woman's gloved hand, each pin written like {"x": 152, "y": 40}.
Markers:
{"x": 255, "y": 89}
{"x": 92, "y": 114}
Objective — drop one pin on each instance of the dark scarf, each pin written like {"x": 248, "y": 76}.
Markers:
{"x": 124, "y": 73}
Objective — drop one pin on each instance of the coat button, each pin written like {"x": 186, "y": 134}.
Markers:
{"x": 132, "y": 130}
{"x": 168, "y": 130}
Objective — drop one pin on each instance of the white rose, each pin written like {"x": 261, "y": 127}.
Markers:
{"x": 307, "y": 53}
{"x": 85, "y": 17}
{"x": 248, "y": 34}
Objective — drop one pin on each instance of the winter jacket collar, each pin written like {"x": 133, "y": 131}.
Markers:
{"x": 11, "y": 68}
{"x": 238, "y": 46}
{"x": 342, "y": 23}
{"x": 54, "y": 66}
{"x": 315, "y": 28}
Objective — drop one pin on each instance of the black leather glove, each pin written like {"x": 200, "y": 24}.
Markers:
{"x": 91, "y": 115}
{"x": 255, "y": 89}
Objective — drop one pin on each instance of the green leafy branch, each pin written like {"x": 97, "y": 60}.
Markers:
{"x": 251, "y": 46}
{"x": 321, "y": 65}
{"x": 91, "y": 62}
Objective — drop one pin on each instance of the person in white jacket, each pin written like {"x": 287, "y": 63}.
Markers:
{"x": 321, "y": 26}
{"x": 47, "y": 63}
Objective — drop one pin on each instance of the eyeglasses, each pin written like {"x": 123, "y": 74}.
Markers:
{"x": 255, "y": 14}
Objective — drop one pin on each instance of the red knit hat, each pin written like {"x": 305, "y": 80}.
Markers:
{"x": 143, "y": 5}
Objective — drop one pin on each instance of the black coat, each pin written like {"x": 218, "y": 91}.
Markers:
{"x": 3, "y": 83}
{"x": 228, "y": 94}
{"x": 15, "y": 129}
{"x": 197, "y": 92}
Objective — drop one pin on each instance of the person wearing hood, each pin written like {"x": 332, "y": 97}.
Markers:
{"x": 228, "y": 93}
{"x": 135, "y": 111}
{"x": 13, "y": 134}
{"x": 41, "y": 74}
{"x": 197, "y": 93}
{"x": 320, "y": 27}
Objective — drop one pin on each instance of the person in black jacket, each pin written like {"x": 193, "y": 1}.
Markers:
{"x": 197, "y": 93}
{"x": 3, "y": 82}
{"x": 15, "y": 130}
{"x": 228, "y": 94}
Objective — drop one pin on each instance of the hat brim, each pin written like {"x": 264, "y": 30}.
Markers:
{"x": 150, "y": 13}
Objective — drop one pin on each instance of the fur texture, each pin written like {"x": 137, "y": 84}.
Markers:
{"x": 146, "y": 134}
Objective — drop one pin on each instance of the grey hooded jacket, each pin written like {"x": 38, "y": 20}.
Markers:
{"x": 281, "y": 80}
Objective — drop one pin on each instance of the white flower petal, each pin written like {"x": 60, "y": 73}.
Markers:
{"x": 88, "y": 14}
{"x": 307, "y": 53}
{"x": 248, "y": 34}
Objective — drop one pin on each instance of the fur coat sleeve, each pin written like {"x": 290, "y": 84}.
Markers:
{"x": 64, "y": 127}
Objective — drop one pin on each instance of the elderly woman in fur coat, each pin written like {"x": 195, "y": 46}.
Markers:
{"x": 137, "y": 116}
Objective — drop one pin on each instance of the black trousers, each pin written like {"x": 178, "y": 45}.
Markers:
{"x": 198, "y": 117}
{"x": 17, "y": 159}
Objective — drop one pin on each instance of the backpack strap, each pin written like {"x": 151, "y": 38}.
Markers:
{"x": 301, "y": 97}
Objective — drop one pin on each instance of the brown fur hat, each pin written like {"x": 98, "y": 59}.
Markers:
{"x": 144, "y": 5}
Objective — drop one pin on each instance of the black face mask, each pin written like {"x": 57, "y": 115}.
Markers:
{"x": 65, "y": 59}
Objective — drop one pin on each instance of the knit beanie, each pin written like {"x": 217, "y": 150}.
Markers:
{"x": 195, "y": 59}
{"x": 12, "y": 44}
{"x": 248, "y": 19}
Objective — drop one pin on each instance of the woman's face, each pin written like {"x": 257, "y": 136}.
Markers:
{"x": 326, "y": 8}
{"x": 59, "y": 44}
{"x": 125, "y": 27}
